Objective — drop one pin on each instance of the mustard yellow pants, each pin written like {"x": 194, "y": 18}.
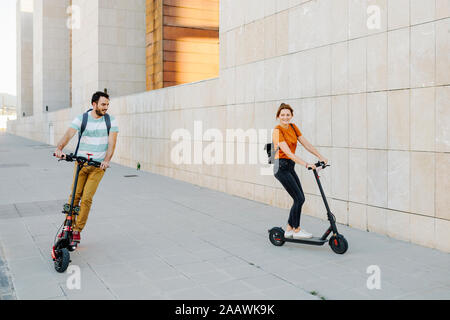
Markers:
{"x": 88, "y": 181}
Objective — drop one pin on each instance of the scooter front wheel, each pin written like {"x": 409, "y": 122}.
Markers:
{"x": 276, "y": 237}
{"x": 338, "y": 244}
{"x": 62, "y": 260}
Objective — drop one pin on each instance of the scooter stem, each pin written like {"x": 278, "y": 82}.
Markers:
{"x": 321, "y": 190}
{"x": 79, "y": 167}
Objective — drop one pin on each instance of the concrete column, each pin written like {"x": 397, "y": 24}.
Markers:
{"x": 85, "y": 52}
{"x": 51, "y": 56}
{"x": 108, "y": 49}
{"x": 24, "y": 58}
{"x": 122, "y": 58}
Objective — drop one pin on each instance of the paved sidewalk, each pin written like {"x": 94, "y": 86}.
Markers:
{"x": 152, "y": 237}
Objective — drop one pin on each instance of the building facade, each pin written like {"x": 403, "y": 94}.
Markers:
{"x": 368, "y": 81}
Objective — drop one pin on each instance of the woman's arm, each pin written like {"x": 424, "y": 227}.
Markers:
{"x": 308, "y": 146}
{"x": 287, "y": 151}
{"x": 284, "y": 146}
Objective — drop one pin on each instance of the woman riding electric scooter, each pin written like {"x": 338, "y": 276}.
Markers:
{"x": 285, "y": 137}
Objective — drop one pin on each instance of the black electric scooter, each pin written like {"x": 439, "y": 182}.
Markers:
{"x": 64, "y": 242}
{"x": 337, "y": 241}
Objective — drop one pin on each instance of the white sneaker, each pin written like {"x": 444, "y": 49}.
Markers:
{"x": 289, "y": 234}
{"x": 302, "y": 234}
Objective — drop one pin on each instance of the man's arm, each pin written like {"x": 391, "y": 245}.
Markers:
{"x": 112, "y": 139}
{"x": 64, "y": 141}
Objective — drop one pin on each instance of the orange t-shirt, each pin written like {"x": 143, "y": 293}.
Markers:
{"x": 288, "y": 135}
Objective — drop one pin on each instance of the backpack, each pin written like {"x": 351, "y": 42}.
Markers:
{"x": 84, "y": 124}
{"x": 269, "y": 149}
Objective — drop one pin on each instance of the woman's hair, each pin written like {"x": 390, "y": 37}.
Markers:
{"x": 284, "y": 106}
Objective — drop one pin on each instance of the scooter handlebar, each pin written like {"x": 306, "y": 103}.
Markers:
{"x": 320, "y": 165}
{"x": 71, "y": 158}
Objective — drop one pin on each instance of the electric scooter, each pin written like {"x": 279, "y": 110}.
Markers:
{"x": 337, "y": 241}
{"x": 64, "y": 242}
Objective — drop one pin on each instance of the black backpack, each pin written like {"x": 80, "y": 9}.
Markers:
{"x": 84, "y": 124}
{"x": 269, "y": 149}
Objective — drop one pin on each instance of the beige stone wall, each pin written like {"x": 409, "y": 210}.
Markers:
{"x": 373, "y": 101}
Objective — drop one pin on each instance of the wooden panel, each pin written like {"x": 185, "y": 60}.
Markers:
{"x": 212, "y": 5}
{"x": 154, "y": 44}
{"x": 190, "y": 34}
{"x": 190, "y": 57}
{"x": 189, "y": 22}
{"x": 183, "y": 46}
{"x": 185, "y": 77}
{"x": 202, "y": 68}
{"x": 182, "y": 38}
{"x": 191, "y": 13}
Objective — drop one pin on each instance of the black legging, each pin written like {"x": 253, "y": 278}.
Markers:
{"x": 285, "y": 173}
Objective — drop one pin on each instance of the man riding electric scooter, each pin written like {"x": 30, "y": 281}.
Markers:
{"x": 97, "y": 136}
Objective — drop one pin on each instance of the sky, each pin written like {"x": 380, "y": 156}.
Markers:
{"x": 8, "y": 46}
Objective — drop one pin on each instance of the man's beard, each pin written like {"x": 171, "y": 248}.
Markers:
{"x": 99, "y": 113}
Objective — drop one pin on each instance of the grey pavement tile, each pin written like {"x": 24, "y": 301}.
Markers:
{"x": 21, "y": 251}
{"x": 227, "y": 262}
{"x": 181, "y": 258}
{"x": 195, "y": 293}
{"x": 253, "y": 295}
{"x": 265, "y": 282}
{"x": 288, "y": 292}
{"x": 38, "y": 290}
{"x": 244, "y": 271}
{"x": 16, "y": 239}
{"x": 276, "y": 265}
{"x": 155, "y": 274}
{"x": 97, "y": 258}
{"x": 173, "y": 284}
{"x": 105, "y": 295}
{"x": 145, "y": 291}
{"x": 147, "y": 264}
{"x": 435, "y": 293}
{"x": 195, "y": 268}
{"x": 118, "y": 275}
{"x": 211, "y": 254}
{"x": 298, "y": 276}
{"x": 225, "y": 290}
{"x": 30, "y": 267}
{"x": 210, "y": 277}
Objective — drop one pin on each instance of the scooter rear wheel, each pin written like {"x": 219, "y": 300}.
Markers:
{"x": 338, "y": 244}
{"x": 62, "y": 260}
{"x": 276, "y": 237}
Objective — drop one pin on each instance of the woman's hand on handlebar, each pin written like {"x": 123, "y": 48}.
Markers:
{"x": 311, "y": 166}
{"x": 322, "y": 159}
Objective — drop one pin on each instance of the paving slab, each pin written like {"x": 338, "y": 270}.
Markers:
{"x": 153, "y": 237}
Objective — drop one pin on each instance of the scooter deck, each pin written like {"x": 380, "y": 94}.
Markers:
{"x": 311, "y": 241}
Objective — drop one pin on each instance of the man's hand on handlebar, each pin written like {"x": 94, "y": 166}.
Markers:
{"x": 59, "y": 154}
{"x": 104, "y": 165}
